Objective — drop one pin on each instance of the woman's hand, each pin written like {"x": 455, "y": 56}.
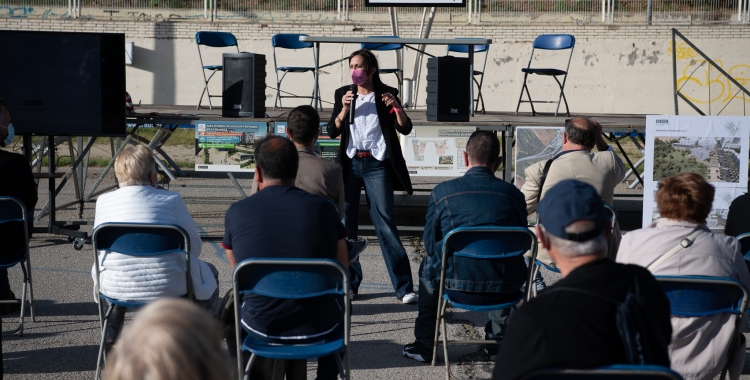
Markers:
{"x": 347, "y": 99}
{"x": 390, "y": 100}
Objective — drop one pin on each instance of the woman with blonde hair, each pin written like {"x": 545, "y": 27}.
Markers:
{"x": 700, "y": 346}
{"x": 148, "y": 278}
{"x": 170, "y": 339}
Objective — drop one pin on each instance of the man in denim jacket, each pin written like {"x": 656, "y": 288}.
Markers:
{"x": 476, "y": 199}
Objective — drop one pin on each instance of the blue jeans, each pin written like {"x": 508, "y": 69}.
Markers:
{"x": 424, "y": 326}
{"x": 375, "y": 176}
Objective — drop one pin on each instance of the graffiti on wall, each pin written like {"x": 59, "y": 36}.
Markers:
{"x": 699, "y": 79}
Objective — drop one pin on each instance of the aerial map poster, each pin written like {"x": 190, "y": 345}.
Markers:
{"x": 534, "y": 144}
{"x": 227, "y": 146}
{"x": 715, "y": 147}
{"x": 436, "y": 150}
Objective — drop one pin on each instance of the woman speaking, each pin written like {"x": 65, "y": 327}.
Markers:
{"x": 370, "y": 155}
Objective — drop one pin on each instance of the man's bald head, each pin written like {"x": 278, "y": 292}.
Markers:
{"x": 277, "y": 158}
{"x": 581, "y": 131}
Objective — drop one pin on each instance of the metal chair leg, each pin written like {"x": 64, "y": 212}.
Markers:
{"x": 520, "y": 96}
{"x": 445, "y": 345}
{"x": 100, "y": 358}
{"x": 562, "y": 95}
{"x": 246, "y": 375}
{"x": 31, "y": 289}
{"x": 437, "y": 331}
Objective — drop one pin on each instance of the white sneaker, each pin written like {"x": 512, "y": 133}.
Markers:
{"x": 409, "y": 298}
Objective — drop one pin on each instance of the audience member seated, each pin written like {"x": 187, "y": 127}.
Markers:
{"x": 699, "y": 344}
{"x": 148, "y": 278}
{"x": 316, "y": 175}
{"x": 18, "y": 182}
{"x": 170, "y": 339}
{"x": 282, "y": 221}
{"x": 737, "y": 221}
{"x": 476, "y": 199}
{"x": 572, "y": 324}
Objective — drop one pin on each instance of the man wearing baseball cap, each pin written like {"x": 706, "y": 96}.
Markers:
{"x": 572, "y": 324}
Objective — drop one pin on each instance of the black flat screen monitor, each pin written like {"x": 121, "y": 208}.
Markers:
{"x": 64, "y": 84}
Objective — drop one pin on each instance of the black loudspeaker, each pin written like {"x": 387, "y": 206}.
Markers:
{"x": 448, "y": 89}
{"x": 244, "y": 93}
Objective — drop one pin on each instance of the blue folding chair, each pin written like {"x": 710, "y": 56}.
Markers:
{"x": 484, "y": 243}
{"x": 613, "y": 372}
{"x": 477, "y": 73}
{"x": 398, "y": 48}
{"x": 12, "y": 216}
{"x": 215, "y": 40}
{"x": 292, "y": 279}
{"x": 291, "y": 41}
{"x": 742, "y": 238}
{"x": 548, "y": 42}
{"x": 137, "y": 240}
{"x": 698, "y": 296}
{"x": 611, "y": 252}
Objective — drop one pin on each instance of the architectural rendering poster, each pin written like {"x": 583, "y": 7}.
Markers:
{"x": 324, "y": 147}
{"x": 534, "y": 144}
{"x": 227, "y": 146}
{"x": 436, "y": 150}
{"x": 715, "y": 147}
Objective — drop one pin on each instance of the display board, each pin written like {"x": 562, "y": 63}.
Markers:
{"x": 227, "y": 146}
{"x": 436, "y": 151}
{"x": 715, "y": 147}
{"x": 534, "y": 144}
{"x": 324, "y": 147}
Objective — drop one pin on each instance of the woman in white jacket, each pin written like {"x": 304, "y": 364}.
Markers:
{"x": 148, "y": 278}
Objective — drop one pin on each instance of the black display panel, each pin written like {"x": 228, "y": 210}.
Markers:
{"x": 64, "y": 84}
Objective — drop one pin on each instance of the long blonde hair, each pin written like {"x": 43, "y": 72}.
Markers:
{"x": 170, "y": 339}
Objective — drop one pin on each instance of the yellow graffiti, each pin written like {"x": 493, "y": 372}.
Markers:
{"x": 683, "y": 51}
{"x": 701, "y": 79}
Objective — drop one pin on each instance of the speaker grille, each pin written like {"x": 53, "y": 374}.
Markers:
{"x": 244, "y": 85}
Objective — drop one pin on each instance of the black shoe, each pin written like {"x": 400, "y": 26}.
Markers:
{"x": 418, "y": 352}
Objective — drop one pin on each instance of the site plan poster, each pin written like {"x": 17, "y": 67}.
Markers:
{"x": 534, "y": 144}
{"x": 715, "y": 147}
{"x": 227, "y": 146}
{"x": 436, "y": 151}
{"x": 324, "y": 147}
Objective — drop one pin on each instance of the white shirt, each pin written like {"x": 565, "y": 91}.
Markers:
{"x": 367, "y": 135}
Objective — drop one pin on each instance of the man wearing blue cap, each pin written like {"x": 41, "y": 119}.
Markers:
{"x": 476, "y": 199}
{"x": 572, "y": 324}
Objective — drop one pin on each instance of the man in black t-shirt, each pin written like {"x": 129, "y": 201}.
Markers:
{"x": 572, "y": 324}
{"x": 282, "y": 221}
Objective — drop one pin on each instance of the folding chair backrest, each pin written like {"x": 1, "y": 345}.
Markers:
{"x": 215, "y": 39}
{"x": 554, "y": 42}
{"x": 697, "y": 296}
{"x": 746, "y": 239}
{"x": 382, "y": 47}
{"x": 488, "y": 242}
{"x": 290, "y": 278}
{"x": 465, "y": 48}
{"x": 140, "y": 239}
{"x": 614, "y": 372}
{"x": 290, "y": 41}
{"x": 11, "y": 210}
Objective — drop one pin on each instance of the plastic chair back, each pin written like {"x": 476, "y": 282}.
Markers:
{"x": 744, "y": 240}
{"x": 465, "y": 48}
{"x": 487, "y": 242}
{"x": 554, "y": 42}
{"x": 291, "y": 281}
{"x": 290, "y": 41}
{"x": 697, "y": 296}
{"x": 382, "y": 47}
{"x": 215, "y": 39}
{"x": 140, "y": 239}
{"x": 11, "y": 210}
{"x": 614, "y": 372}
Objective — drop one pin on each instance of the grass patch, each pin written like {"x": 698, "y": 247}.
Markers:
{"x": 102, "y": 162}
{"x": 181, "y": 136}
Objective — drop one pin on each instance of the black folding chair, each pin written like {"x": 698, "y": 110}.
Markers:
{"x": 548, "y": 42}
{"x": 13, "y": 219}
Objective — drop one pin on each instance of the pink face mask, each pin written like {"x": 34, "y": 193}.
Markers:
{"x": 359, "y": 77}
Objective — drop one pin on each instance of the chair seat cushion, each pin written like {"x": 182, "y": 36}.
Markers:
{"x": 295, "y": 69}
{"x": 212, "y": 67}
{"x": 551, "y": 72}
{"x": 478, "y": 72}
{"x": 389, "y": 71}
{"x": 470, "y": 307}
{"x": 326, "y": 346}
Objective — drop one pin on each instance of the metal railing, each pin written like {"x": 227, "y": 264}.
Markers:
{"x": 687, "y": 50}
{"x": 355, "y": 11}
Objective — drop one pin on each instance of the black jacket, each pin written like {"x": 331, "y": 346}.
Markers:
{"x": 389, "y": 125}
{"x": 16, "y": 181}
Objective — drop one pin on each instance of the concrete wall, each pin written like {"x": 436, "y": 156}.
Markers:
{"x": 614, "y": 68}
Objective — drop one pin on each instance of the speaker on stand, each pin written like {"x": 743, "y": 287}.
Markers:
{"x": 244, "y": 90}
{"x": 448, "y": 89}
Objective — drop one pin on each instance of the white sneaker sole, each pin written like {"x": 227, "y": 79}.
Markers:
{"x": 409, "y": 299}
{"x": 416, "y": 357}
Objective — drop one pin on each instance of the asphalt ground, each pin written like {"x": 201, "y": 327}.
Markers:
{"x": 63, "y": 342}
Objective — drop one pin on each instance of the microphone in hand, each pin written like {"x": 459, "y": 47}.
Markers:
{"x": 353, "y": 89}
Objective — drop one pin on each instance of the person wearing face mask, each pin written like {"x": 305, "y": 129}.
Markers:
{"x": 371, "y": 157}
